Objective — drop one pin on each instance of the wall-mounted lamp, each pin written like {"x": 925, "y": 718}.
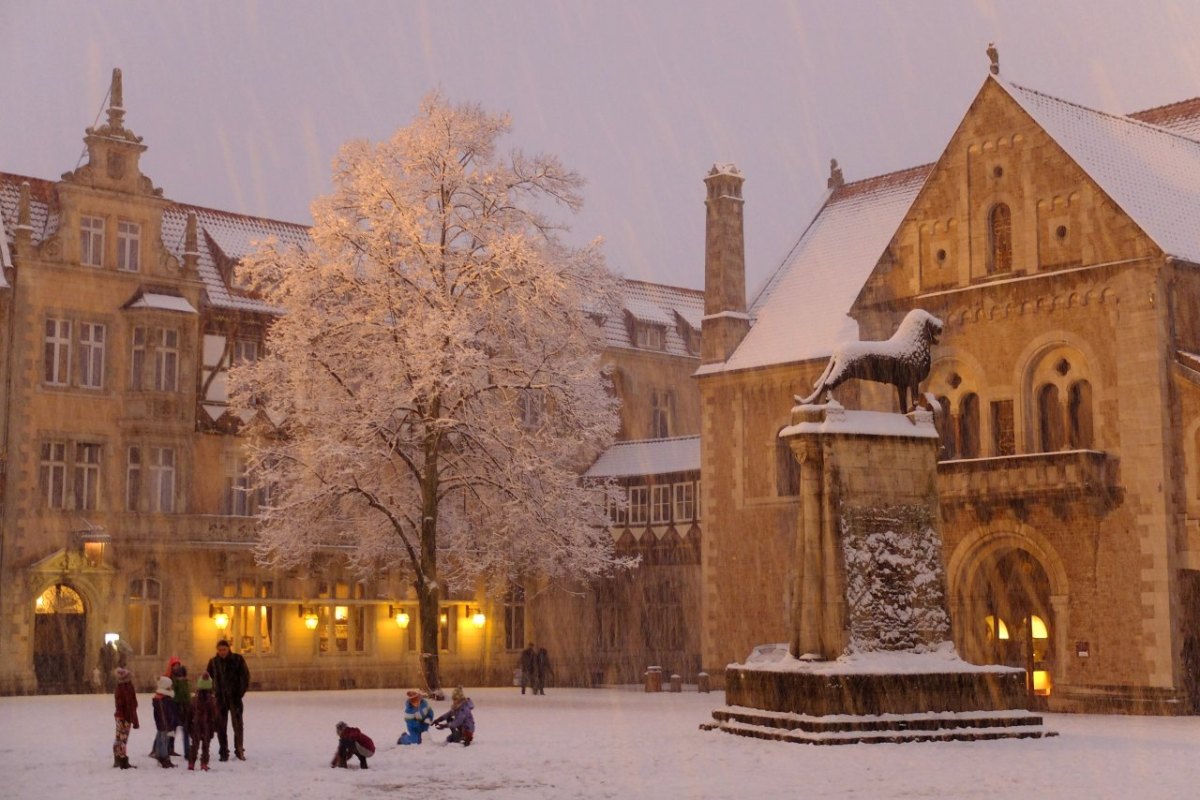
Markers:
{"x": 219, "y": 617}
{"x": 400, "y": 615}
{"x": 309, "y": 615}
{"x": 477, "y": 616}
{"x": 444, "y": 618}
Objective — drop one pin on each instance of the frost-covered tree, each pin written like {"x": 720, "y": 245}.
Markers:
{"x": 434, "y": 381}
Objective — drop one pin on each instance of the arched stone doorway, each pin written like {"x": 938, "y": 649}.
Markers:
{"x": 59, "y": 640}
{"x": 1009, "y": 599}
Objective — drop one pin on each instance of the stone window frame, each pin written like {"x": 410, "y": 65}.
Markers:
{"x": 148, "y": 602}
{"x": 91, "y": 240}
{"x": 1073, "y": 415}
{"x": 92, "y": 354}
{"x": 56, "y": 351}
{"x": 86, "y": 483}
{"x": 52, "y": 474}
{"x": 253, "y": 627}
{"x": 129, "y": 246}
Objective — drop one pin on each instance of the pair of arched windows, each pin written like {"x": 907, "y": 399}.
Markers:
{"x": 1062, "y": 423}
{"x": 1064, "y": 426}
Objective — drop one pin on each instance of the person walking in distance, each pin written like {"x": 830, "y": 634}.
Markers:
{"x": 541, "y": 671}
{"x": 231, "y": 679}
{"x": 527, "y": 665}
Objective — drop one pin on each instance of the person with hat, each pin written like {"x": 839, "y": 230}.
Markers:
{"x": 231, "y": 679}
{"x": 202, "y": 721}
{"x": 166, "y": 720}
{"x": 125, "y": 716}
{"x": 417, "y": 717}
{"x": 460, "y": 719}
{"x": 352, "y": 742}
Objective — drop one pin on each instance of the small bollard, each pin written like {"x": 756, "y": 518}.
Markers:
{"x": 702, "y": 684}
{"x": 653, "y": 679}
{"x": 676, "y": 683}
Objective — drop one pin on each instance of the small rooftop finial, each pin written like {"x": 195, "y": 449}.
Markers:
{"x": 835, "y": 175}
{"x": 116, "y": 102}
{"x": 994, "y": 56}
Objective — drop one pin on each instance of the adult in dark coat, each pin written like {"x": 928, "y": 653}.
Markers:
{"x": 527, "y": 664}
{"x": 231, "y": 679}
{"x": 541, "y": 671}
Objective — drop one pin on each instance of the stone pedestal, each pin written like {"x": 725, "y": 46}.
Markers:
{"x": 871, "y": 657}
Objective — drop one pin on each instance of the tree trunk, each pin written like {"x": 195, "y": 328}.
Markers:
{"x": 428, "y": 586}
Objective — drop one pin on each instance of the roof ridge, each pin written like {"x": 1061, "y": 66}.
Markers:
{"x": 227, "y": 213}
{"x": 1118, "y": 117}
{"x": 626, "y": 442}
{"x": 699, "y": 292}
{"x": 883, "y": 175}
{"x": 1163, "y": 107}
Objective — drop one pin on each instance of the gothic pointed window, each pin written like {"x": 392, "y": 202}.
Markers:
{"x": 968, "y": 427}
{"x": 1050, "y": 427}
{"x": 999, "y": 239}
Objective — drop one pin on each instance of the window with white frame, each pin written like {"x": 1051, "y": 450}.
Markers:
{"x": 237, "y": 491}
{"x": 660, "y": 413}
{"x": 162, "y": 479}
{"x": 649, "y": 337}
{"x": 133, "y": 479}
{"x": 52, "y": 474}
{"x": 91, "y": 241}
{"x": 87, "y": 476}
{"x": 129, "y": 238}
{"x": 685, "y": 501}
{"x": 91, "y": 355}
{"x": 660, "y": 504}
{"x": 142, "y": 616}
{"x": 514, "y": 618}
{"x": 166, "y": 360}
{"x": 618, "y": 504}
{"x": 245, "y": 351}
{"x": 639, "y": 505}
{"x": 699, "y": 500}
{"x": 57, "y": 352}
{"x": 137, "y": 359}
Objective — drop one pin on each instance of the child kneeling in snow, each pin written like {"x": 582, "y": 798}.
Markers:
{"x": 417, "y": 718}
{"x": 460, "y": 719}
{"x": 352, "y": 742}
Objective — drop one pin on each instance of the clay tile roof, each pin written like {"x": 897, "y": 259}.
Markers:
{"x": 1182, "y": 117}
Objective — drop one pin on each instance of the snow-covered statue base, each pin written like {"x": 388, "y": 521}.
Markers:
{"x": 871, "y": 657}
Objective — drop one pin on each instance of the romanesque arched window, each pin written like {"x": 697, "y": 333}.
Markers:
{"x": 968, "y": 426}
{"x": 1079, "y": 412}
{"x": 945, "y": 428}
{"x": 999, "y": 239}
{"x": 1050, "y": 427}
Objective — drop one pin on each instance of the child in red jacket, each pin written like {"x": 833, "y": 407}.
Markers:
{"x": 352, "y": 742}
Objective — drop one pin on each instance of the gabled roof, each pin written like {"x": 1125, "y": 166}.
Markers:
{"x": 1182, "y": 117}
{"x": 801, "y": 312}
{"x": 648, "y": 457}
{"x": 1152, "y": 173}
{"x": 656, "y": 304}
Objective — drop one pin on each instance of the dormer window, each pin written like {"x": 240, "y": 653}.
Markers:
{"x": 91, "y": 241}
{"x": 129, "y": 242}
{"x": 649, "y": 337}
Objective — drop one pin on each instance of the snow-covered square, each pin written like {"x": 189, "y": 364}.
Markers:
{"x": 580, "y": 743}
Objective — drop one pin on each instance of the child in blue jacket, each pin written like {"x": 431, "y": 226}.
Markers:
{"x": 417, "y": 717}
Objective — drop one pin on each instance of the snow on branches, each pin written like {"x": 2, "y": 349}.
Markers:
{"x": 439, "y": 378}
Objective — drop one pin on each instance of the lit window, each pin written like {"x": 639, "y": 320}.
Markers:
{"x": 129, "y": 237}
{"x": 91, "y": 241}
{"x": 91, "y": 355}
{"x": 252, "y": 626}
{"x": 343, "y": 627}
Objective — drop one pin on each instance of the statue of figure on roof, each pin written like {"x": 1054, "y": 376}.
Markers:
{"x": 903, "y": 360}
{"x": 993, "y": 56}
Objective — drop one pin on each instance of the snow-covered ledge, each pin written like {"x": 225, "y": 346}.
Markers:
{"x": 832, "y": 417}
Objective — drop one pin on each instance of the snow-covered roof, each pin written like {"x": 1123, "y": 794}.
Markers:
{"x": 1182, "y": 117}
{"x": 163, "y": 302}
{"x": 648, "y": 457}
{"x": 801, "y": 312}
{"x": 654, "y": 303}
{"x": 1152, "y": 173}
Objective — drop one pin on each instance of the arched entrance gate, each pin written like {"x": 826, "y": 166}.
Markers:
{"x": 59, "y": 639}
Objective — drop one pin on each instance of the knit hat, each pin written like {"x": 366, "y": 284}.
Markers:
{"x": 458, "y": 695}
{"x": 413, "y": 694}
{"x": 204, "y": 682}
{"x": 341, "y": 726}
{"x": 164, "y": 687}
{"x": 123, "y": 675}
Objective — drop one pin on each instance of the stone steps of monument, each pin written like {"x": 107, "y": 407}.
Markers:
{"x": 847, "y": 729}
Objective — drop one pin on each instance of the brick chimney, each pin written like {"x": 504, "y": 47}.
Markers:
{"x": 725, "y": 319}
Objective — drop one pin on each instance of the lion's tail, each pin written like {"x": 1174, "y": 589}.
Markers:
{"x": 819, "y": 384}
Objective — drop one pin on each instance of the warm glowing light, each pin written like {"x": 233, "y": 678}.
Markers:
{"x": 341, "y": 613}
{"x": 1041, "y": 682}
{"x": 112, "y": 638}
{"x": 444, "y": 618}
{"x": 478, "y": 619}
{"x": 1038, "y": 625}
{"x": 40, "y": 602}
{"x": 310, "y": 621}
{"x": 221, "y": 620}
{"x": 991, "y": 626}
{"x": 402, "y": 619}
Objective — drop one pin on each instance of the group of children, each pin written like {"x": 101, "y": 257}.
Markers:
{"x": 418, "y": 719}
{"x": 175, "y": 707}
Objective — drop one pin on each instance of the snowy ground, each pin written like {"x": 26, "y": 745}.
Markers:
{"x": 579, "y": 743}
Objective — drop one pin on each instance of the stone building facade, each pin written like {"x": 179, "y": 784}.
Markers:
{"x": 125, "y": 506}
{"x": 1059, "y": 246}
